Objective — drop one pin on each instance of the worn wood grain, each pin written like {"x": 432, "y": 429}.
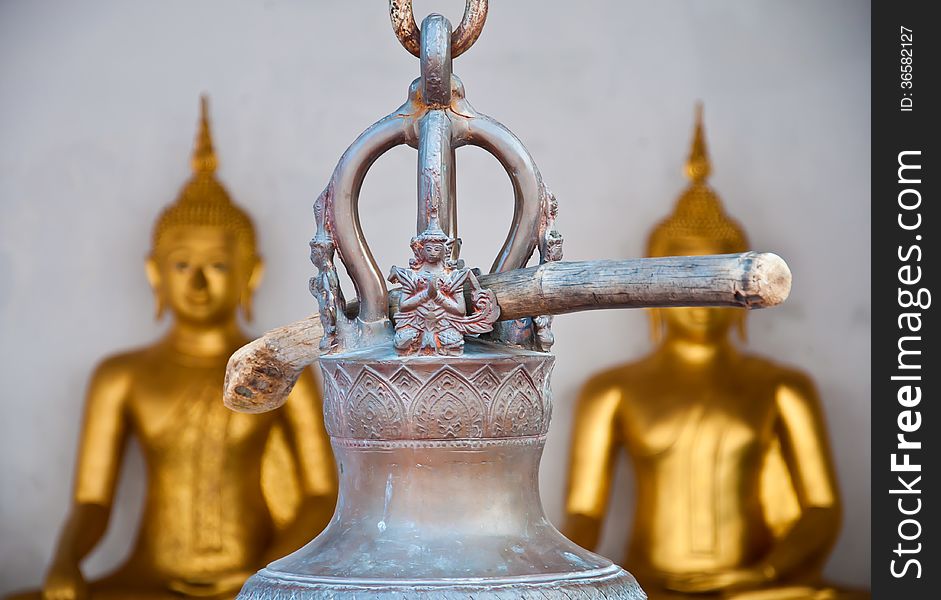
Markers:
{"x": 749, "y": 280}
{"x": 261, "y": 374}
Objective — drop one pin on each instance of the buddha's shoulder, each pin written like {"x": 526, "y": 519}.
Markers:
{"x": 126, "y": 363}
{"x": 775, "y": 373}
{"x": 620, "y": 377}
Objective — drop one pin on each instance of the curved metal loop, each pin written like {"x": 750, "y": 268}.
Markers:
{"x": 436, "y": 175}
{"x": 406, "y": 28}
{"x": 436, "y": 133}
{"x": 528, "y": 188}
{"x": 339, "y": 213}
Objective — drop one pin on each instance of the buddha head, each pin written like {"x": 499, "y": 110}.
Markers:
{"x": 698, "y": 225}
{"x": 204, "y": 265}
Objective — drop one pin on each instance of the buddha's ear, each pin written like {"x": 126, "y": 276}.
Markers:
{"x": 156, "y": 284}
{"x": 656, "y": 325}
{"x": 251, "y": 284}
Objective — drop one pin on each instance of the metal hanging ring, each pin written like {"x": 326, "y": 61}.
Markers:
{"x": 406, "y": 29}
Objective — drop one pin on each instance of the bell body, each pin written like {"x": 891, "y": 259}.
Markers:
{"x": 438, "y": 459}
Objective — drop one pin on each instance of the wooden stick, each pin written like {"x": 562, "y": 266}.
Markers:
{"x": 260, "y": 375}
{"x": 749, "y": 280}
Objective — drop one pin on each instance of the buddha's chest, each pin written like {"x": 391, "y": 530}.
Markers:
{"x": 723, "y": 420}
{"x": 179, "y": 411}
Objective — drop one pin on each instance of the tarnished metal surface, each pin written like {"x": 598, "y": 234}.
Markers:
{"x": 439, "y": 497}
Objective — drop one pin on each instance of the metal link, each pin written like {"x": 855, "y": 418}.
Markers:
{"x": 436, "y": 61}
{"x": 406, "y": 28}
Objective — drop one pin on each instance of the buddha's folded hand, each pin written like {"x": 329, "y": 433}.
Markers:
{"x": 229, "y": 583}
{"x": 718, "y": 581}
{"x": 65, "y": 582}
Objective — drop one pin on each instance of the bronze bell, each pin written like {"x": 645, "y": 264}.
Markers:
{"x": 437, "y": 395}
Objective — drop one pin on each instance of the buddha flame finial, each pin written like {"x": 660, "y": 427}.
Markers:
{"x": 699, "y": 223}
{"x": 204, "y": 155}
{"x": 698, "y": 167}
{"x": 203, "y": 201}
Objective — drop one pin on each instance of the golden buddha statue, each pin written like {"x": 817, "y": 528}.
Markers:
{"x": 227, "y": 492}
{"x": 736, "y": 491}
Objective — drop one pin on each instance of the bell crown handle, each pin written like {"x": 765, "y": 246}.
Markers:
{"x": 436, "y": 119}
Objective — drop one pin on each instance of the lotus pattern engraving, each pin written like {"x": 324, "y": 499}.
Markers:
{"x": 374, "y": 409}
{"x": 457, "y": 401}
{"x": 407, "y": 383}
{"x": 486, "y": 381}
{"x": 332, "y": 414}
{"x": 517, "y": 407}
{"x": 448, "y": 407}
{"x": 344, "y": 382}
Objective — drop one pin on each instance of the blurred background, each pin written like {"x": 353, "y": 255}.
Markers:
{"x": 98, "y": 108}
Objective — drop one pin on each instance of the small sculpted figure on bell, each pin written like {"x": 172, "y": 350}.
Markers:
{"x": 432, "y": 316}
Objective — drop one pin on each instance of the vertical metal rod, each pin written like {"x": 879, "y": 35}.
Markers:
{"x": 436, "y": 177}
{"x": 436, "y": 171}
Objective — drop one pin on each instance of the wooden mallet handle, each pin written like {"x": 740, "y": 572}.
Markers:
{"x": 260, "y": 375}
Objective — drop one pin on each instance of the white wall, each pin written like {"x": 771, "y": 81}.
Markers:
{"x": 98, "y": 107}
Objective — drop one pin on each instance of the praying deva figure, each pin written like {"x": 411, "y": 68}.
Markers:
{"x": 736, "y": 490}
{"x": 432, "y": 315}
{"x": 226, "y": 492}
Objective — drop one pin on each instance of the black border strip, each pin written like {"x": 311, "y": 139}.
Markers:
{"x": 904, "y": 270}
